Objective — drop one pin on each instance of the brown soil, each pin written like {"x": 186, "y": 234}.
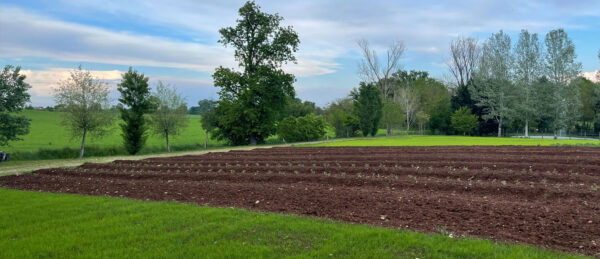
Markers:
{"x": 544, "y": 196}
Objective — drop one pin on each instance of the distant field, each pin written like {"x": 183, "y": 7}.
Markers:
{"x": 74, "y": 226}
{"x": 455, "y": 141}
{"x": 47, "y": 132}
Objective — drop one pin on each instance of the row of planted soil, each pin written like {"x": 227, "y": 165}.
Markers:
{"x": 545, "y": 196}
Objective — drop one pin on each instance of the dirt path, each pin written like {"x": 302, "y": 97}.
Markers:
{"x": 545, "y": 196}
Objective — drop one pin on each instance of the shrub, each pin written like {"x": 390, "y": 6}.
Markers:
{"x": 463, "y": 121}
{"x": 305, "y": 128}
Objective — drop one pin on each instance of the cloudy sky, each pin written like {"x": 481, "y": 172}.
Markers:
{"x": 176, "y": 41}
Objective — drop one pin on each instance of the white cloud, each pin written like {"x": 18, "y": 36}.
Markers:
{"x": 593, "y": 76}
{"x": 31, "y": 35}
{"x": 44, "y": 81}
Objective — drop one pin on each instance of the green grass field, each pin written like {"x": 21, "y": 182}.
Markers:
{"x": 46, "y": 225}
{"x": 47, "y": 132}
{"x": 454, "y": 141}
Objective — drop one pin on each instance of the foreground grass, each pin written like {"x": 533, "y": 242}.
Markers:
{"x": 455, "y": 141}
{"x": 36, "y": 224}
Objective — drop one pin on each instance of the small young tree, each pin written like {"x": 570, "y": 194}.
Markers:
{"x": 392, "y": 115}
{"x": 408, "y": 100}
{"x": 208, "y": 121}
{"x": 422, "y": 119}
{"x": 13, "y": 97}
{"x": 135, "y": 103}
{"x": 463, "y": 121}
{"x": 170, "y": 115}
{"x": 85, "y": 104}
{"x": 367, "y": 107}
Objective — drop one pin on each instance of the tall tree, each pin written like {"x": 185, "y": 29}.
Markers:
{"x": 170, "y": 115}
{"x": 372, "y": 70}
{"x": 135, "y": 103}
{"x": 13, "y": 97}
{"x": 85, "y": 104}
{"x": 367, "y": 107}
{"x": 251, "y": 99}
{"x": 561, "y": 68}
{"x": 493, "y": 89}
{"x": 466, "y": 55}
{"x": 528, "y": 61}
{"x": 408, "y": 100}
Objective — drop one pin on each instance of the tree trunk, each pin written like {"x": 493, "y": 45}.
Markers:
{"x": 526, "y": 128}
{"x": 388, "y": 130}
{"x": 82, "y": 144}
{"x": 500, "y": 128}
{"x": 253, "y": 139}
{"x": 555, "y": 137}
{"x": 206, "y": 141}
{"x": 168, "y": 146}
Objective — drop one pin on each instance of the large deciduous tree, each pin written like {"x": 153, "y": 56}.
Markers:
{"x": 170, "y": 115}
{"x": 85, "y": 103}
{"x": 250, "y": 100}
{"x": 135, "y": 103}
{"x": 466, "y": 55}
{"x": 367, "y": 107}
{"x": 13, "y": 97}
{"x": 493, "y": 89}
{"x": 528, "y": 68}
{"x": 561, "y": 68}
{"x": 372, "y": 70}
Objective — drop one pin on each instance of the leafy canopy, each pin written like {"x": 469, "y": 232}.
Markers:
{"x": 250, "y": 100}
{"x": 13, "y": 97}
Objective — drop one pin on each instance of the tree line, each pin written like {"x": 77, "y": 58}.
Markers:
{"x": 497, "y": 85}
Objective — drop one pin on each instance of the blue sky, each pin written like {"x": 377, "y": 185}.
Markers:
{"x": 176, "y": 41}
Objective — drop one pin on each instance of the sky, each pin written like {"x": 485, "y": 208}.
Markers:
{"x": 176, "y": 41}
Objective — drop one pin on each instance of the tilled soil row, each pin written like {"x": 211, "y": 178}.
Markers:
{"x": 556, "y": 209}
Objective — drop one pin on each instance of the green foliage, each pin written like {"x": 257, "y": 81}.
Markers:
{"x": 203, "y": 107}
{"x": 463, "y": 121}
{"x": 305, "y": 128}
{"x": 296, "y": 108}
{"x": 339, "y": 115}
{"x": 13, "y": 97}
{"x": 250, "y": 100}
{"x": 367, "y": 107}
{"x": 76, "y": 226}
{"x": 135, "y": 103}
{"x": 391, "y": 114}
{"x": 454, "y": 141}
{"x": 170, "y": 116}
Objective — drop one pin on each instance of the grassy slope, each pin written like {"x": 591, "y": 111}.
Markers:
{"x": 65, "y": 226}
{"x": 47, "y": 132}
{"x": 454, "y": 141}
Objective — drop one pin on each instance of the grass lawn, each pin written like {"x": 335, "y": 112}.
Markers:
{"x": 47, "y": 132}
{"x": 34, "y": 224}
{"x": 454, "y": 141}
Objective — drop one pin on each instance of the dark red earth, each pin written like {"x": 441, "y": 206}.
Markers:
{"x": 544, "y": 196}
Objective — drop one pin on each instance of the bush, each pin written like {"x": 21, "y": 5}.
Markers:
{"x": 463, "y": 121}
{"x": 305, "y": 128}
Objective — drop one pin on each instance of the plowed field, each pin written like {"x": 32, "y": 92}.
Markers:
{"x": 544, "y": 196}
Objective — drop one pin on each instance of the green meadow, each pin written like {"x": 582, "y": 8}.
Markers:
{"x": 47, "y": 225}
